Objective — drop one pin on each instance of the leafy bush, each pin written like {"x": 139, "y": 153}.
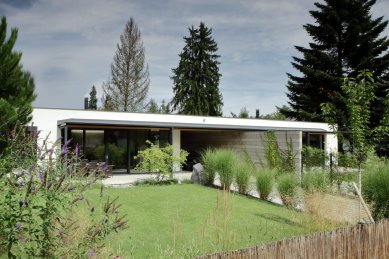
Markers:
{"x": 243, "y": 171}
{"x": 208, "y": 159}
{"x": 159, "y": 160}
{"x": 346, "y": 160}
{"x": 225, "y": 161}
{"x": 313, "y": 157}
{"x": 287, "y": 185}
{"x": 375, "y": 187}
{"x": 315, "y": 180}
{"x": 41, "y": 188}
{"x": 265, "y": 182}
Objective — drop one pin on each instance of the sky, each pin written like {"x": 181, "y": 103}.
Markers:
{"x": 68, "y": 45}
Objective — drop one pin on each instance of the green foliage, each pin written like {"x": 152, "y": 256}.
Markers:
{"x": 346, "y": 160}
{"x": 159, "y": 160}
{"x": 208, "y": 160}
{"x": 92, "y": 105}
{"x": 375, "y": 187}
{"x": 287, "y": 185}
{"x": 225, "y": 162}
{"x": 272, "y": 152}
{"x": 313, "y": 157}
{"x": 345, "y": 39}
{"x": 282, "y": 160}
{"x": 16, "y": 87}
{"x": 264, "y": 182}
{"x": 243, "y": 170}
{"x": 359, "y": 97}
{"x": 41, "y": 187}
{"x": 153, "y": 181}
{"x": 152, "y": 107}
{"x": 315, "y": 180}
{"x": 196, "y": 79}
{"x": 116, "y": 154}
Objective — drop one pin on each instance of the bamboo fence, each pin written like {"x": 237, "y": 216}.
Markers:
{"x": 360, "y": 241}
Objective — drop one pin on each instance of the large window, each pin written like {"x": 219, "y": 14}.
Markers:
{"x": 117, "y": 147}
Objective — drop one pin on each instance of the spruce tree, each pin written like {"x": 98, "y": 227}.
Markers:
{"x": 130, "y": 81}
{"x": 345, "y": 40}
{"x": 196, "y": 79}
{"x": 92, "y": 99}
{"x": 16, "y": 86}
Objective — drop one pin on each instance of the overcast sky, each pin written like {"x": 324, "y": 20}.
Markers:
{"x": 69, "y": 45}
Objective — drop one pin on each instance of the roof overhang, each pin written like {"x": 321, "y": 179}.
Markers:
{"x": 192, "y": 126}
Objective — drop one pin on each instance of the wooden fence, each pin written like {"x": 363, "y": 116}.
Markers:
{"x": 360, "y": 241}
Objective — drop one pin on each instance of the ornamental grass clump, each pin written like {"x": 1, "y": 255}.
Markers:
{"x": 243, "y": 171}
{"x": 375, "y": 187}
{"x": 208, "y": 160}
{"x": 225, "y": 161}
{"x": 315, "y": 180}
{"x": 287, "y": 185}
{"x": 264, "y": 182}
{"x": 41, "y": 189}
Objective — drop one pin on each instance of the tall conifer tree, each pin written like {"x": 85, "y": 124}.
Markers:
{"x": 16, "y": 86}
{"x": 346, "y": 40}
{"x": 196, "y": 79}
{"x": 130, "y": 81}
{"x": 92, "y": 99}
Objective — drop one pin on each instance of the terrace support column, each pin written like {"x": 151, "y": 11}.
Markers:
{"x": 330, "y": 146}
{"x": 176, "y": 143}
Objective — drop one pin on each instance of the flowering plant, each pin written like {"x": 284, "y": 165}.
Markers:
{"x": 41, "y": 187}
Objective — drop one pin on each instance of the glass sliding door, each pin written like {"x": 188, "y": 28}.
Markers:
{"x": 117, "y": 150}
{"x": 94, "y": 145}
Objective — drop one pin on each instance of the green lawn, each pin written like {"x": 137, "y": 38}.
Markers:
{"x": 187, "y": 220}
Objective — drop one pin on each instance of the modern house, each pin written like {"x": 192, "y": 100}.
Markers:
{"x": 116, "y": 137}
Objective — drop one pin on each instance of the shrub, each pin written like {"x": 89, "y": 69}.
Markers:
{"x": 243, "y": 171}
{"x": 225, "y": 161}
{"x": 287, "y": 185}
{"x": 159, "y": 160}
{"x": 41, "y": 188}
{"x": 208, "y": 159}
{"x": 375, "y": 187}
{"x": 265, "y": 183}
{"x": 315, "y": 180}
{"x": 313, "y": 157}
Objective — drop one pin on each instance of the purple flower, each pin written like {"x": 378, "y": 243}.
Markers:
{"x": 91, "y": 253}
{"x": 64, "y": 152}
{"x": 19, "y": 174}
{"x": 67, "y": 143}
{"x": 78, "y": 151}
{"x": 48, "y": 186}
{"x": 20, "y": 184}
{"x": 71, "y": 188}
{"x": 21, "y": 202}
{"x": 41, "y": 176}
{"x": 32, "y": 167}
{"x": 19, "y": 227}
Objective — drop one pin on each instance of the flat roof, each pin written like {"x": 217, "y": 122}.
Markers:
{"x": 67, "y": 117}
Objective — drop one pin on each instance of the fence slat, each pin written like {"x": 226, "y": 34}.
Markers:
{"x": 360, "y": 241}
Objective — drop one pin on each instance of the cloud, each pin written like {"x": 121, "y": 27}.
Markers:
{"x": 69, "y": 45}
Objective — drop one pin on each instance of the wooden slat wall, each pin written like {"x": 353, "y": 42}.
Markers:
{"x": 240, "y": 141}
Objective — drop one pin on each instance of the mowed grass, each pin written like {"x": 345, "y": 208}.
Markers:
{"x": 187, "y": 220}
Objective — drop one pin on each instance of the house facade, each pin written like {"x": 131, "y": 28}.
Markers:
{"x": 116, "y": 137}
